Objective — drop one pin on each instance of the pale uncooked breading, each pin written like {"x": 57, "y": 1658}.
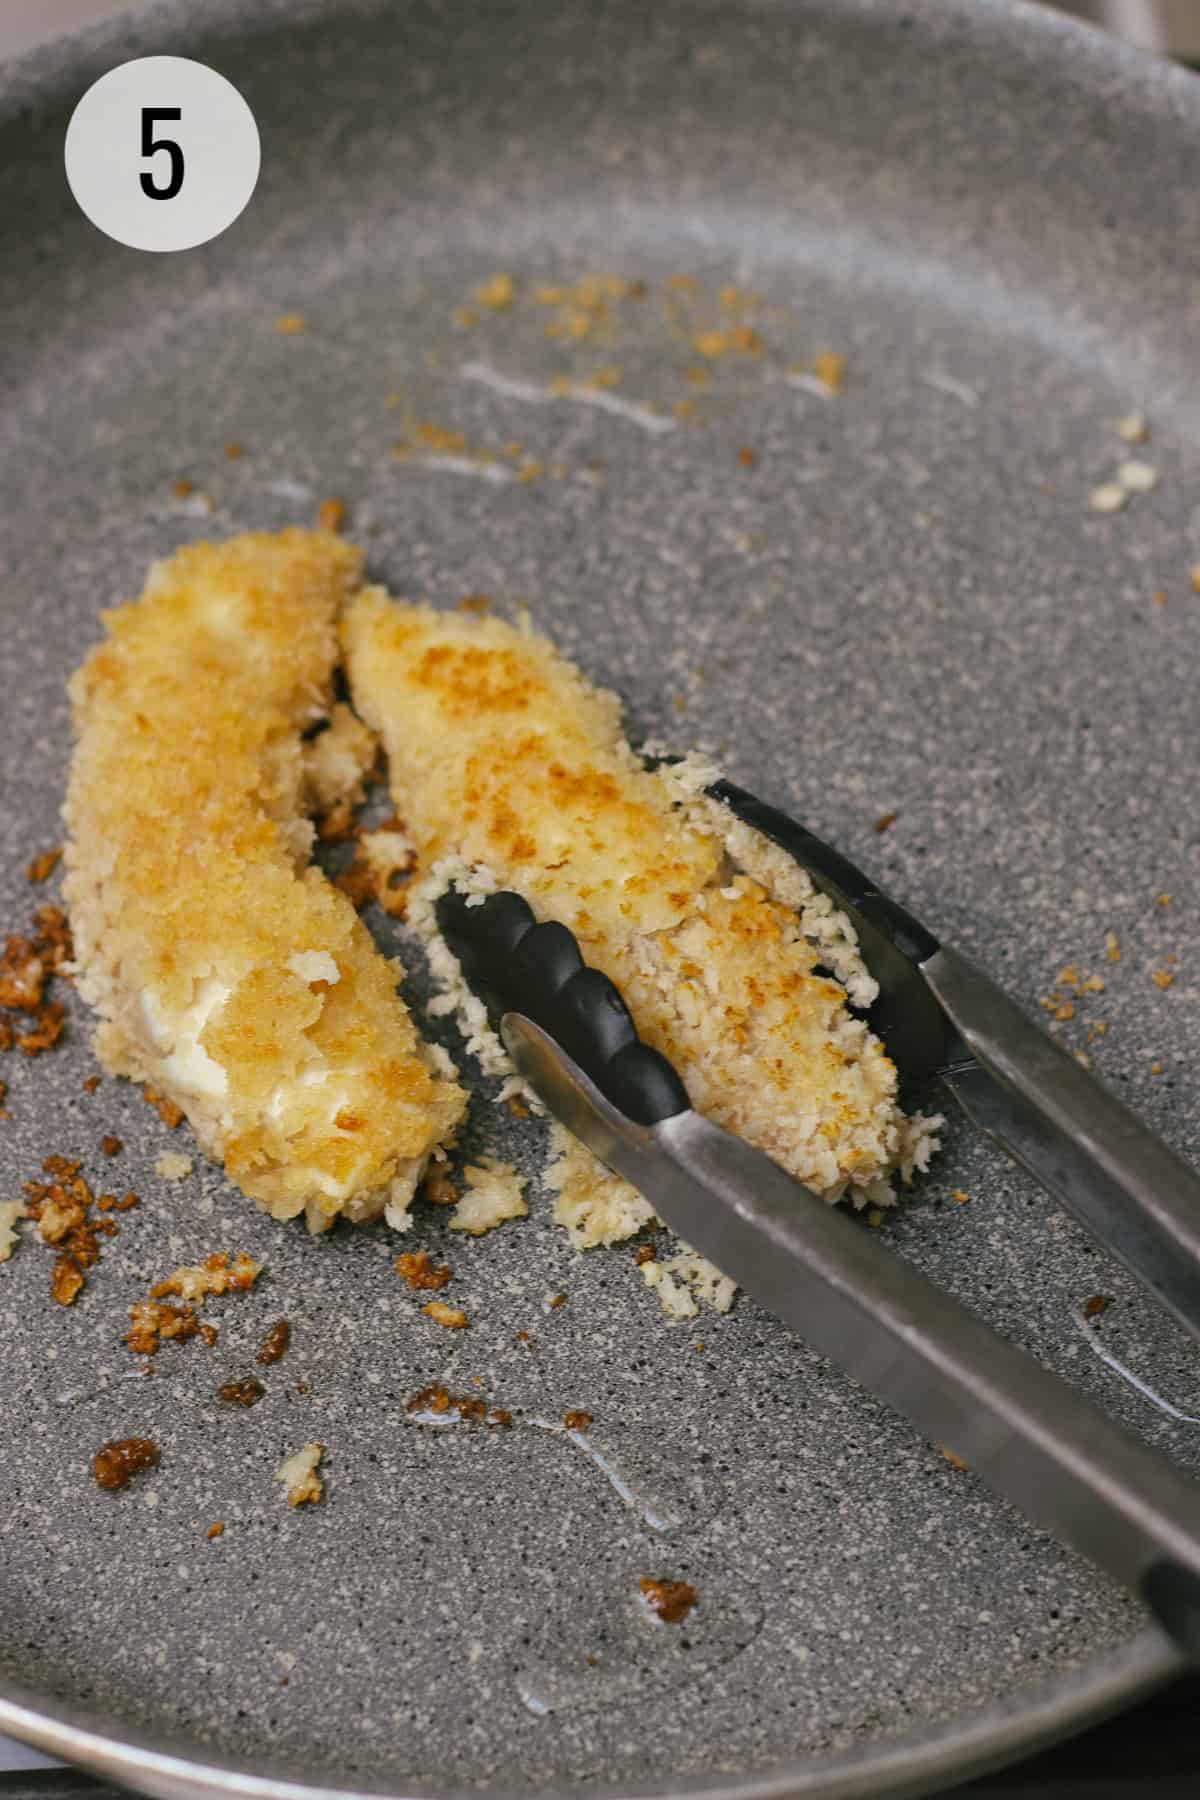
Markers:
{"x": 226, "y": 970}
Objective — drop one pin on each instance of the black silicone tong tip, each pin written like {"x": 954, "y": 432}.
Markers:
{"x": 516, "y": 965}
{"x": 894, "y": 944}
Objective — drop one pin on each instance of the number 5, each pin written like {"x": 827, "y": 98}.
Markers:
{"x": 150, "y": 117}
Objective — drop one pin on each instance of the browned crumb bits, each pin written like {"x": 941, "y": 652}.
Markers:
{"x": 517, "y": 1107}
{"x": 482, "y": 603}
{"x": 671, "y": 1601}
{"x": 557, "y": 1300}
{"x": 956, "y": 1462}
{"x": 275, "y": 1344}
{"x": 644, "y": 1253}
{"x": 415, "y": 1267}
{"x": 247, "y": 1392}
{"x": 216, "y": 1530}
{"x": 43, "y": 866}
{"x": 438, "y": 1188}
{"x": 127, "y": 1202}
{"x": 831, "y": 369}
{"x": 441, "y": 1403}
{"x": 290, "y": 323}
{"x": 448, "y": 1316}
{"x": 331, "y": 515}
{"x": 577, "y": 1421}
{"x": 153, "y": 1322}
{"x": 960, "y": 1196}
{"x": 885, "y": 821}
{"x": 116, "y": 1463}
{"x": 1099, "y": 1303}
{"x": 1162, "y": 978}
{"x": 111, "y": 1146}
{"x": 233, "y": 450}
{"x": 168, "y": 1112}
{"x": 91, "y": 1084}
{"x": 748, "y": 457}
{"x": 66, "y": 1279}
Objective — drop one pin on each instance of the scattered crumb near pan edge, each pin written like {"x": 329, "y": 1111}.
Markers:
{"x": 330, "y": 515}
{"x": 956, "y": 1462}
{"x": 669, "y": 1601}
{"x": 451, "y": 1318}
{"x": 299, "y": 1476}
{"x": 216, "y": 1529}
{"x": 172, "y": 1166}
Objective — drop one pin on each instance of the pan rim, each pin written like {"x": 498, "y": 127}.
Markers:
{"x": 908, "y": 1764}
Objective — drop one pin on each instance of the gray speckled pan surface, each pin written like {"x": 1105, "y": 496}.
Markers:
{"x": 905, "y": 605}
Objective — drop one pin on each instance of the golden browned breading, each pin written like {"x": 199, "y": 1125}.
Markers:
{"x": 509, "y": 769}
{"x": 226, "y": 971}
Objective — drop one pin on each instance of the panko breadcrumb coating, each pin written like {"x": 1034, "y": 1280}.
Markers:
{"x": 510, "y": 770}
{"x": 228, "y": 973}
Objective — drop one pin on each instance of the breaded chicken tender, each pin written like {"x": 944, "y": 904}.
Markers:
{"x": 226, "y": 971}
{"x": 510, "y": 770}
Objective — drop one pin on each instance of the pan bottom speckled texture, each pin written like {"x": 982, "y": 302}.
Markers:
{"x": 873, "y": 588}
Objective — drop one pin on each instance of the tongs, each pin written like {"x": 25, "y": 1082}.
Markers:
{"x": 1027, "y": 1432}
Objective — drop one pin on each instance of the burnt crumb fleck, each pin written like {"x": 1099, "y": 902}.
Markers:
{"x": 1099, "y": 1303}
{"x": 242, "y": 1393}
{"x": 577, "y": 1421}
{"x": 670, "y": 1601}
{"x": 644, "y": 1253}
{"x": 115, "y": 1464}
{"x": 111, "y": 1146}
{"x": 275, "y": 1344}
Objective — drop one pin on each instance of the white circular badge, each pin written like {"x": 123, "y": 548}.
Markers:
{"x": 162, "y": 153}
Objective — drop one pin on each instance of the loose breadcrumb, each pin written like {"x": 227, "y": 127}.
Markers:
{"x": 495, "y": 1191}
{"x": 172, "y": 1166}
{"x": 217, "y": 1274}
{"x": 496, "y": 292}
{"x": 290, "y": 323}
{"x": 682, "y": 1280}
{"x": 43, "y": 866}
{"x": 451, "y": 1317}
{"x": 299, "y": 1476}
{"x": 10, "y": 1212}
{"x": 170, "y": 1114}
{"x": 197, "y": 918}
{"x": 415, "y": 1268}
{"x": 1133, "y": 428}
{"x": 956, "y": 1462}
{"x": 115, "y": 1464}
{"x": 216, "y": 1529}
{"x": 275, "y": 1344}
{"x": 1109, "y": 497}
{"x": 830, "y": 369}
{"x": 1137, "y": 477}
{"x": 1162, "y": 978}
{"x": 669, "y": 1601}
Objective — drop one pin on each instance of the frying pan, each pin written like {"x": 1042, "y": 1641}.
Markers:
{"x": 899, "y": 602}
